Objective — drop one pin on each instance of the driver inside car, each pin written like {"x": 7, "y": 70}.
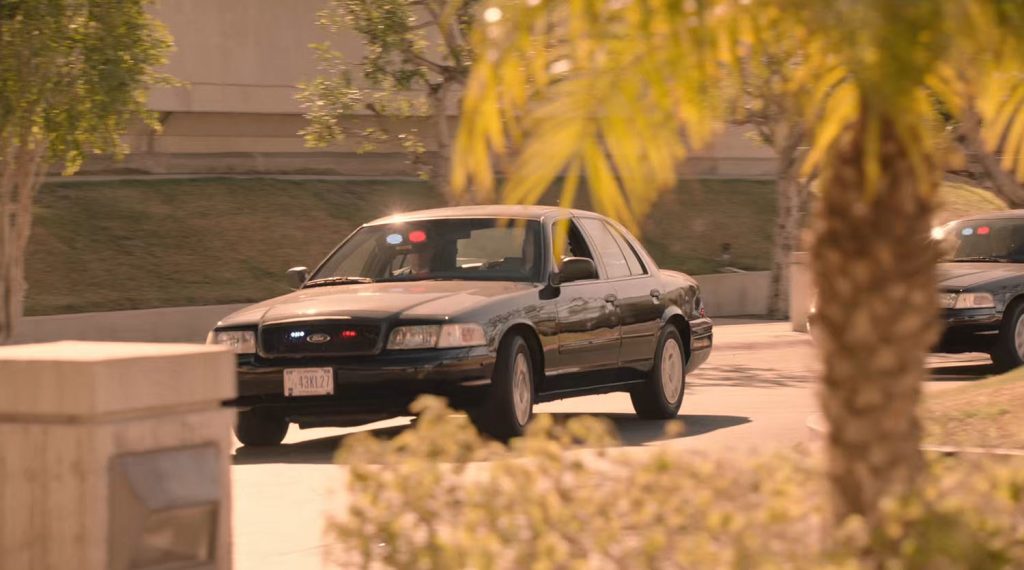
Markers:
{"x": 420, "y": 261}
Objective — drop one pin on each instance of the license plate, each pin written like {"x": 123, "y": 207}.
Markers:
{"x": 308, "y": 381}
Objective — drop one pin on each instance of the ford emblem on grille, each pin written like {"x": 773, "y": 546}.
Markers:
{"x": 318, "y": 338}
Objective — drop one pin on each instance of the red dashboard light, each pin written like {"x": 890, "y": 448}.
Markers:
{"x": 417, "y": 236}
{"x": 349, "y": 334}
{"x": 983, "y": 230}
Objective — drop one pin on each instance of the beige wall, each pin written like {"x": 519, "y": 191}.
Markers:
{"x": 241, "y": 62}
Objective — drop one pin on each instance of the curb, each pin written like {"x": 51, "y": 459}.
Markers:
{"x": 818, "y": 427}
{"x": 755, "y": 345}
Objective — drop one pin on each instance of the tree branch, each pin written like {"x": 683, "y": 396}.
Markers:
{"x": 1003, "y": 182}
{"x": 438, "y": 68}
{"x": 452, "y": 41}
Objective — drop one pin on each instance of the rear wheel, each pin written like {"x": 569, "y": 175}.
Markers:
{"x": 1008, "y": 352}
{"x": 660, "y": 397}
{"x": 261, "y": 427}
{"x": 509, "y": 403}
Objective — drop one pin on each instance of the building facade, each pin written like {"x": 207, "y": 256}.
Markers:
{"x": 240, "y": 63}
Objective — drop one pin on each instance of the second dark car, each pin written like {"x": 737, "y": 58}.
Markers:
{"x": 478, "y": 304}
{"x": 981, "y": 287}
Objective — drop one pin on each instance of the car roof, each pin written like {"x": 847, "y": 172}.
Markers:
{"x": 488, "y": 211}
{"x": 1001, "y": 215}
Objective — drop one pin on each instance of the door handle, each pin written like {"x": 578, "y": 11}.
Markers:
{"x": 611, "y": 298}
{"x": 655, "y": 293}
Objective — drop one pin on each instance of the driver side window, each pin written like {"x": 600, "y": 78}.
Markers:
{"x": 573, "y": 244}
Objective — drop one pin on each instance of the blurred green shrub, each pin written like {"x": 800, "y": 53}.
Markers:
{"x": 439, "y": 495}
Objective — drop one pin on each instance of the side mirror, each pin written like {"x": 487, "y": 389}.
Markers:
{"x": 297, "y": 277}
{"x": 576, "y": 269}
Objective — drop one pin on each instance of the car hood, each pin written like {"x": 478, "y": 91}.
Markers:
{"x": 415, "y": 299}
{"x": 956, "y": 276}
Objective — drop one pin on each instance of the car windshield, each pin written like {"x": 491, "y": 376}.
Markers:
{"x": 998, "y": 240}
{"x": 490, "y": 249}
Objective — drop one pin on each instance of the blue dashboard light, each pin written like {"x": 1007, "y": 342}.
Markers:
{"x": 967, "y": 231}
{"x": 394, "y": 239}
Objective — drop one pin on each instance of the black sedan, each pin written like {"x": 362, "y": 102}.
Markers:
{"x": 981, "y": 285}
{"x": 472, "y": 303}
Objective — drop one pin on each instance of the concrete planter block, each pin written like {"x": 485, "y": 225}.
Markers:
{"x": 801, "y": 290}
{"x": 84, "y": 425}
{"x": 735, "y": 294}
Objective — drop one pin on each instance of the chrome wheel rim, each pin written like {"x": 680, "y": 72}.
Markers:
{"x": 1018, "y": 337}
{"x": 672, "y": 370}
{"x": 521, "y": 389}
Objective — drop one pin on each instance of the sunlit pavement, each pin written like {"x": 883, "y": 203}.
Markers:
{"x": 754, "y": 393}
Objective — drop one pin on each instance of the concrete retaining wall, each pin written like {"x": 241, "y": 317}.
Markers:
{"x": 735, "y": 294}
{"x": 173, "y": 324}
{"x": 725, "y": 295}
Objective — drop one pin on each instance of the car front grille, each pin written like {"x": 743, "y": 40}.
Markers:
{"x": 330, "y": 338}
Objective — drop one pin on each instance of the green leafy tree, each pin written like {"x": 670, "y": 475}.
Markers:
{"x": 416, "y": 61}
{"x": 73, "y": 74}
{"x": 762, "y": 94}
{"x": 622, "y": 90}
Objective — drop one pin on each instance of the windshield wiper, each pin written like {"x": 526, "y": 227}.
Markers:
{"x": 983, "y": 258}
{"x": 325, "y": 281}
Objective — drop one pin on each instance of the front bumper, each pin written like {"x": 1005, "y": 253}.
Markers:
{"x": 969, "y": 330}
{"x": 701, "y": 339}
{"x": 378, "y": 385}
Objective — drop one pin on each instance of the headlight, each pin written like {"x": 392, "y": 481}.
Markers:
{"x": 461, "y": 335}
{"x": 243, "y": 342}
{"x": 422, "y": 336}
{"x": 966, "y": 301}
{"x": 436, "y": 336}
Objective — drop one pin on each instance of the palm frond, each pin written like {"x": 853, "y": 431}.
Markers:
{"x": 841, "y": 108}
{"x": 993, "y": 33}
{"x": 572, "y": 84}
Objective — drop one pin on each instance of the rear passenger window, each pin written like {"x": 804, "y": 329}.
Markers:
{"x": 607, "y": 248}
{"x": 636, "y": 267}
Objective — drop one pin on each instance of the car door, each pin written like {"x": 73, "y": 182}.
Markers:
{"x": 641, "y": 305}
{"x": 587, "y": 316}
{"x": 638, "y": 298}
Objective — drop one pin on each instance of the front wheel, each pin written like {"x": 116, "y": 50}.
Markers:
{"x": 1008, "y": 352}
{"x": 660, "y": 397}
{"x": 509, "y": 404}
{"x": 261, "y": 427}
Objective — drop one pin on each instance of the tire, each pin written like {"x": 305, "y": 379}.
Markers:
{"x": 660, "y": 397}
{"x": 508, "y": 406}
{"x": 1008, "y": 351}
{"x": 261, "y": 427}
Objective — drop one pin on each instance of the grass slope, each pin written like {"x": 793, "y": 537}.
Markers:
{"x": 100, "y": 246}
{"x": 985, "y": 413}
{"x": 958, "y": 200}
{"x": 133, "y": 244}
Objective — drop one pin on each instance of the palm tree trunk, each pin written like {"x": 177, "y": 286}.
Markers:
{"x": 874, "y": 263}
